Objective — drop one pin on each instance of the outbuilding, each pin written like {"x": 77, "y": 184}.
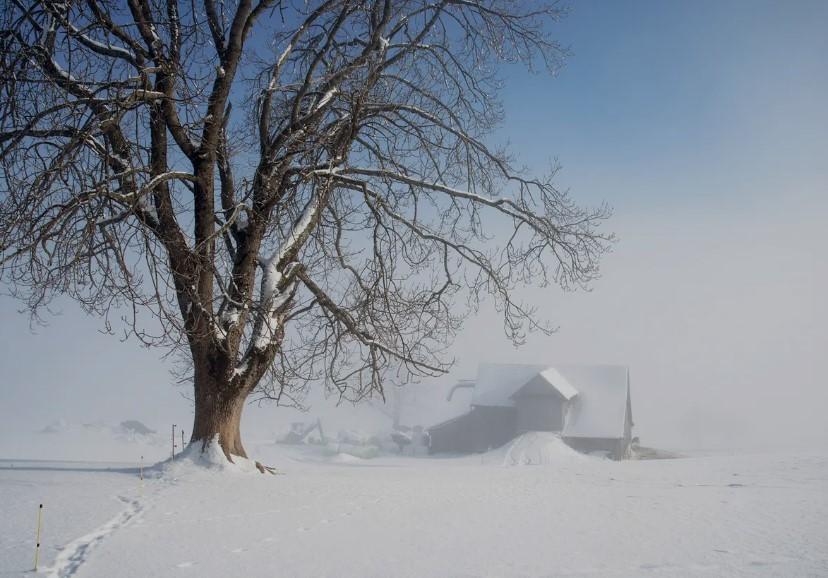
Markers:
{"x": 589, "y": 405}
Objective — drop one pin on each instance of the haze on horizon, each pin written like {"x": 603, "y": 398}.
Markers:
{"x": 704, "y": 126}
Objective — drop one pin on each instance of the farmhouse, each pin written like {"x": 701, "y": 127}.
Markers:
{"x": 588, "y": 404}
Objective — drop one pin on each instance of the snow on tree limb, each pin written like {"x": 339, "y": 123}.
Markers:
{"x": 315, "y": 205}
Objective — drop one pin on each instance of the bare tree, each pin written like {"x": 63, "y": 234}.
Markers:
{"x": 298, "y": 192}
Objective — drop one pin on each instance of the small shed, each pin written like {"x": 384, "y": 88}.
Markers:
{"x": 588, "y": 404}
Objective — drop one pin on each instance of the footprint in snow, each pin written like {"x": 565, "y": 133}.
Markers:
{"x": 303, "y": 530}
{"x": 237, "y": 550}
{"x": 324, "y": 521}
{"x": 185, "y": 565}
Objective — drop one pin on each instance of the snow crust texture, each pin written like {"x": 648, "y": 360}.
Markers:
{"x": 733, "y": 515}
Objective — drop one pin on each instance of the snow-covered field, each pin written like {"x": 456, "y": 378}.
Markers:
{"x": 534, "y": 509}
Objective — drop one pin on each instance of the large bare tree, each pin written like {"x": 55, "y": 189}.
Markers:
{"x": 297, "y": 191}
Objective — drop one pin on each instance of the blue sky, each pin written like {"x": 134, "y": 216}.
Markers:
{"x": 679, "y": 99}
{"x": 704, "y": 125}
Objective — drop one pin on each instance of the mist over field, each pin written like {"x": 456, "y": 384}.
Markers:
{"x": 704, "y": 129}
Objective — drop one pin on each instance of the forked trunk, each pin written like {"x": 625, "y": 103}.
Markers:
{"x": 218, "y": 411}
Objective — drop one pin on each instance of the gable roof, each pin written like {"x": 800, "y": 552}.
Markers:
{"x": 598, "y": 393}
{"x": 545, "y": 382}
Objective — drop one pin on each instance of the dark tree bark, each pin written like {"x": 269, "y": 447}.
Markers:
{"x": 298, "y": 193}
{"x": 218, "y": 413}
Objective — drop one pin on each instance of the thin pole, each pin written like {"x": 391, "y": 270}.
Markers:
{"x": 173, "y": 441}
{"x": 182, "y": 440}
{"x": 37, "y": 540}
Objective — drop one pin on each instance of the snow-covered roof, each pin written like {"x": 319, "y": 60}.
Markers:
{"x": 598, "y": 393}
{"x": 554, "y": 378}
{"x": 496, "y": 382}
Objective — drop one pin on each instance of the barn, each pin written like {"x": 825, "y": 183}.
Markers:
{"x": 588, "y": 404}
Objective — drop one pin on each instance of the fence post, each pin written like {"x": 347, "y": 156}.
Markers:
{"x": 37, "y": 540}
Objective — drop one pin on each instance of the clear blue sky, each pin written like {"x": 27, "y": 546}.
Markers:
{"x": 677, "y": 97}
{"x": 705, "y": 125}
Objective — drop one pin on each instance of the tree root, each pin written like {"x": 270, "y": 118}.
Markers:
{"x": 266, "y": 469}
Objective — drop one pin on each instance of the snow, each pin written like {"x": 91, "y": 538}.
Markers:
{"x": 96, "y": 442}
{"x": 231, "y": 316}
{"x": 554, "y": 378}
{"x": 195, "y": 458}
{"x": 342, "y": 458}
{"x": 241, "y": 369}
{"x": 496, "y": 382}
{"x": 704, "y": 516}
{"x": 242, "y": 220}
{"x": 326, "y": 98}
{"x": 271, "y": 279}
{"x": 271, "y": 276}
{"x": 538, "y": 449}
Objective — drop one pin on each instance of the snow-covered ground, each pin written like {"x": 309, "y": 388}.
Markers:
{"x": 500, "y": 514}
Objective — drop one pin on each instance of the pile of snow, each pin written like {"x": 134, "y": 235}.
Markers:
{"x": 346, "y": 458}
{"x": 539, "y": 449}
{"x": 198, "y": 457}
{"x": 366, "y": 452}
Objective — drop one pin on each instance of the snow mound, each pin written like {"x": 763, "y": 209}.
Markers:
{"x": 539, "y": 449}
{"x": 198, "y": 457}
{"x": 343, "y": 458}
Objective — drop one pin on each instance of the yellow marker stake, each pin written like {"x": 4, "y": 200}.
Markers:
{"x": 37, "y": 541}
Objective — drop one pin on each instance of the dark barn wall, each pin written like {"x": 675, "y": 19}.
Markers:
{"x": 616, "y": 448}
{"x": 539, "y": 413}
{"x": 453, "y": 436}
{"x": 477, "y": 431}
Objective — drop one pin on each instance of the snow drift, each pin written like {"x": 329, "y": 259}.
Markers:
{"x": 197, "y": 457}
{"x": 539, "y": 449}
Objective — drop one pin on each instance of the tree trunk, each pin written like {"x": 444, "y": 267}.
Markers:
{"x": 218, "y": 410}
